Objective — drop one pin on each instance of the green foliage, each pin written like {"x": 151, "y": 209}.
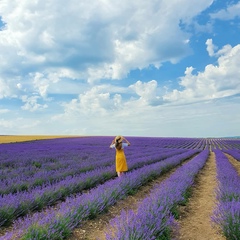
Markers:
{"x": 167, "y": 168}
{"x": 165, "y": 235}
{"x": 62, "y": 229}
{"x": 107, "y": 175}
{"x": 230, "y": 197}
{"x": 35, "y": 232}
{"x": 93, "y": 212}
{"x": 8, "y": 215}
{"x": 186, "y": 195}
{"x": 175, "y": 211}
{"x": 131, "y": 191}
{"x": 231, "y": 227}
{"x": 38, "y": 182}
{"x": 37, "y": 164}
{"x": 23, "y": 187}
{"x": 16, "y": 188}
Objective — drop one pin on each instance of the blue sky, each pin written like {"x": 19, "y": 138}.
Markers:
{"x": 145, "y": 68}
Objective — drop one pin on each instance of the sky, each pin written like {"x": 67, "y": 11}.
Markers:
{"x": 155, "y": 68}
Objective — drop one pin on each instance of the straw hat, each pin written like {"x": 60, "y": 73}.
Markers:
{"x": 118, "y": 138}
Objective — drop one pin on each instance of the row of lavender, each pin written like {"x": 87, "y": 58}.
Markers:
{"x": 154, "y": 218}
{"x": 21, "y": 203}
{"x": 227, "y": 212}
{"x": 203, "y": 143}
{"x": 58, "y": 223}
{"x": 223, "y": 143}
{"x": 234, "y": 153}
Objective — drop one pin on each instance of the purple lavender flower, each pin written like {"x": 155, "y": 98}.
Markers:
{"x": 227, "y": 212}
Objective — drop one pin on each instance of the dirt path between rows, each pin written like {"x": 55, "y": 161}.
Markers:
{"x": 234, "y": 162}
{"x": 195, "y": 221}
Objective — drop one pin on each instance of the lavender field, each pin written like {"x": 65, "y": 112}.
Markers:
{"x": 50, "y": 187}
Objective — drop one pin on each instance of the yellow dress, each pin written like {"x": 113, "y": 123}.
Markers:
{"x": 121, "y": 163}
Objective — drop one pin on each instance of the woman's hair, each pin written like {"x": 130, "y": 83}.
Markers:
{"x": 118, "y": 142}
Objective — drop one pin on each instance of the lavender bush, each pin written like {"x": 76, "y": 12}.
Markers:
{"x": 227, "y": 212}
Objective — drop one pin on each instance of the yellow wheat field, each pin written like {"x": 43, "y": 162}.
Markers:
{"x": 23, "y": 138}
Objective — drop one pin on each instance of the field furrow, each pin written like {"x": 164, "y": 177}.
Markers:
{"x": 195, "y": 218}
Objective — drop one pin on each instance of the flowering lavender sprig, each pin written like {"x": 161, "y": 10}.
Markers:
{"x": 154, "y": 219}
{"x": 57, "y": 224}
{"x": 227, "y": 212}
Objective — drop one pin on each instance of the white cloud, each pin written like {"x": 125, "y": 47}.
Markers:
{"x": 105, "y": 100}
{"x": 20, "y": 125}
{"x": 19, "y": 85}
{"x": 216, "y": 81}
{"x": 5, "y": 123}
{"x": 231, "y": 12}
{"x": 9, "y": 87}
{"x": 4, "y": 89}
{"x": 210, "y": 47}
{"x": 144, "y": 120}
{"x": 147, "y": 91}
{"x": 95, "y": 101}
{"x": 101, "y": 39}
{"x": 4, "y": 110}
{"x": 31, "y": 103}
{"x": 41, "y": 84}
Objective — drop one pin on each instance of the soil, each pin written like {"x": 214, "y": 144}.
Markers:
{"x": 195, "y": 221}
{"x": 195, "y": 218}
{"x": 235, "y": 163}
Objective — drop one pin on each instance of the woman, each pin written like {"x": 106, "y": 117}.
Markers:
{"x": 119, "y": 145}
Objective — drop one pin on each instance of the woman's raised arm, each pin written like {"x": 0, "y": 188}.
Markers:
{"x": 126, "y": 141}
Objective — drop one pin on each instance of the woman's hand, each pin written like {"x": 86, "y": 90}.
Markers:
{"x": 113, "y": 142}
{"x": 126, "y": 141}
